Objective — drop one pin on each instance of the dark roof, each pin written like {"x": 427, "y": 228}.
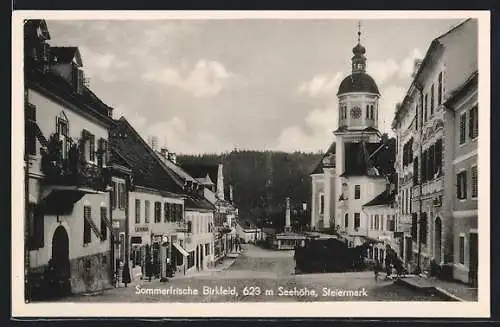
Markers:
{"x": 146, "y": 167}
{"x": 358, "y": 82}
{"x": 201, "y": 170}
{"x": 193, "y": 202}
{"x": 63, "y": 54}
{"x": 319, "y": 167}
{"x": 51, "y": 83}
{"x": 346, "y": 129}
{"x": 384, "y": 198}
{"x": 370, "y": 159}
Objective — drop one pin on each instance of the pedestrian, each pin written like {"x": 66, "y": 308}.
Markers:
{"x": 376, "y": 269}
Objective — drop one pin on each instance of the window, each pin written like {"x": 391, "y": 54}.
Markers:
{"x": 372, "y": 112}
{"x": 463, "y": 119}
{"x": 367, "y": 111}
{"x": 346, "y": 220}
{"x": 35, "y": 227}
{"x": 440, "y": 88}
{"x": 461, "y": 249}
{"x": 113, "y": 194}
{"x": 430, "y": 162}
{"x": 423, "y": 167}
{"x": 416, "y": 117}
{"x": 426, "y": 99}
{"x": 391, "y": 223}
{"x": 146, "y": 211}
{"x": 30, "y": 133}
{"x": 92, "y": 147}
{"x": 322, "y": 204}
{"x": 415, "y": 171}
{"x": 462, "y": 185}
{"x": 414, "y": 226}
{"x": 87, "y": 233}
{"x": 122, "y": 199}
{"x": 207, "y": 249}
{"x": 438, "y": 157}
{"x": 377, "y": 222}
{"x": 357, "y": 191}
{"x": 432, "y": 100}
{"x": 157, "y": 212}
{"x": 474, "y": 181}
{"x": 357, "y": 220}
{"x": 166, "y": 211}
{"x": 372, "y": 222}
{"x": 62, "y": 129}
{"x": 104, "y": 225}
{"x": 473, "y": 123}
{"x": 190, "y": 226}
{"x": 137, "y": 211}
{"x": 102, "y": 153}
{"x": 423, "y": 228}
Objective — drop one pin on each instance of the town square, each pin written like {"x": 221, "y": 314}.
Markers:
{"x": 201, "y": 161}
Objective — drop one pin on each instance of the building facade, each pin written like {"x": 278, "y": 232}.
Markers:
{"x": 68, "y": 227}
{"x": 428, "y": 128}
{"x": 358, "y": 165}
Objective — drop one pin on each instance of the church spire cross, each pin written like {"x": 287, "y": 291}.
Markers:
{"x": 359, "y": 31}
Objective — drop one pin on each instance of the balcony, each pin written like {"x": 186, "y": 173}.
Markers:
{"x": 68, "y": 168}
{"x": 434, "y": 186}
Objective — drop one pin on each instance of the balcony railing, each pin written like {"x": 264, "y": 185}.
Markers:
{"x": 433, "y": 186}
{"x": 69, "y": 168}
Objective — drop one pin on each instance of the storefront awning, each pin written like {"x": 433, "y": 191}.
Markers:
{"x": 181, "y": 250}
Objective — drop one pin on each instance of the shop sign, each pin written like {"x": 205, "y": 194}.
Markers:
{"x": 142, "y": 229}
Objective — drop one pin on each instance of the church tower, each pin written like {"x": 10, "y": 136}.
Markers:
{"x": 358, "y": 104}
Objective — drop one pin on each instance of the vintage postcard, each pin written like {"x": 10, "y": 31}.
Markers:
{"x": 251, "y": 164}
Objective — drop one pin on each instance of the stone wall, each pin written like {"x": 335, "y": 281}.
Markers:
{"x": 91, "y": 273}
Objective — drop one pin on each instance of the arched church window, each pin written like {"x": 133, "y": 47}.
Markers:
{"x": 371, "y": 112}
{"x": 346, "y": 220}
{"x": 367, "y": 111}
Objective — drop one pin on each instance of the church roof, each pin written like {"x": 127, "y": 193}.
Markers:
{"x": 384, "y": 198}
{"x": 370, "y": 159}
{"x": 358, "y": 82}
{"x": 319, "y": 167}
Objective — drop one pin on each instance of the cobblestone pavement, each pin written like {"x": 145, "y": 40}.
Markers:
{"x": 261, "y": 275}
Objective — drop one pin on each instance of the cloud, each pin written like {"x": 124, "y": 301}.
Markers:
{"x": 391, "y": 95}
{"x": 384, "y": 70}
{"x": 317, "y": 134}
{"x": 321, "y": 85}
{"x": 103, "y": 66}
{"x": 206, "y": 79}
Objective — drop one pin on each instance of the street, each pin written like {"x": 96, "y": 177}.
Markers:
{"x": 260, "y": 275}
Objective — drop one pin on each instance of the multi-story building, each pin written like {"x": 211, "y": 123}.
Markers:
{"x": 464, "y": 104}
{"x": 356, "y": 167}
{"x": 427, "y": 125}
{"x": 68, "y": 242}
{"x": 156, "y": 208}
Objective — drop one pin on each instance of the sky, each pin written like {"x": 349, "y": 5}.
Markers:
{"x": 211, "y": 86}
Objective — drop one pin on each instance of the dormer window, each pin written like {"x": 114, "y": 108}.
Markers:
{"x": 78, "y": 79}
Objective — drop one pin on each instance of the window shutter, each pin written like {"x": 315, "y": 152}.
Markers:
{"x": 471, "y": 123}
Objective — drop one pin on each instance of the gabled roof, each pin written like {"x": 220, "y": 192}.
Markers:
{"x": 146, "y": 167}
{"x": 370, "y": 159}
{"x": 66, "y": 55}
{"x": 193, "y": 202}
{"x": 456, "y": 94}
{"x": 319, "y": 167}
{"x": 56, "y": 87}
{"x": 202, "y": 170}
{"x": 385, "y": 198}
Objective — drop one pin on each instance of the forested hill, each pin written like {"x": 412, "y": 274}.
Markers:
{"x": 262, "y": 180}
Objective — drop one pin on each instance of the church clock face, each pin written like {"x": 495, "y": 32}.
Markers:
{"x": 355, "y": 112}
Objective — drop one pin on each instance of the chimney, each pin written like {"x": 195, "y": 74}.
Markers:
{"x": 173, "y": 157}
{"x": 154, "y": 142}
{"x": 164, "y": 153}
{"x": 220, "y": 182}
{"x": 416, "y": 67}
{"x": 287, "y": 216}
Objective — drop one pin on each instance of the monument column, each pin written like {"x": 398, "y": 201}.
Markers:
{"x": 288, "y": 226}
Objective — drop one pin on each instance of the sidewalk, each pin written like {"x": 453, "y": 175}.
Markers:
{"x": 225, "y": 264}
{"x": 452, "y": 290}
